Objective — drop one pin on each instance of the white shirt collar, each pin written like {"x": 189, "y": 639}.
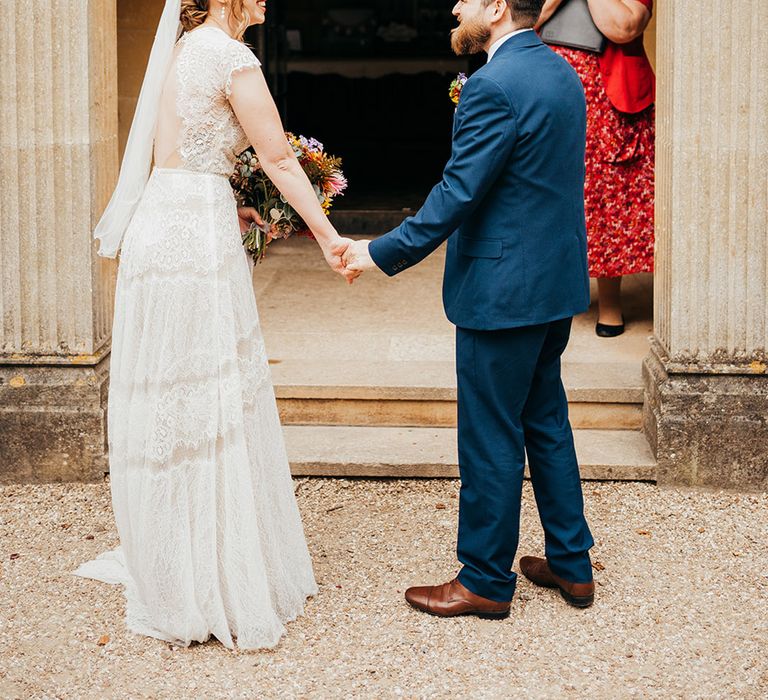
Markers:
{"x": 497, "y": 44}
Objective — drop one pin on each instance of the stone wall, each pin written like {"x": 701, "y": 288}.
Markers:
{"x": 58, "y": 165}
{"x": 707, "y": 375}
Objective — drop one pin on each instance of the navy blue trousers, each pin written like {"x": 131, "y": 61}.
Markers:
{"x": 511, "y": 400}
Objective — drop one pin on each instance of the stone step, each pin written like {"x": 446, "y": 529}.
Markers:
{"x": 423, "y": 394}
{"x": 621, "y": 455}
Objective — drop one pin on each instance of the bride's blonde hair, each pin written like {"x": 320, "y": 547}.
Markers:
{"x": 195, "y": 12}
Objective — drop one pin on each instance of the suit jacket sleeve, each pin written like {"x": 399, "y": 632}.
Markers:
{"x": 484, "y": 137}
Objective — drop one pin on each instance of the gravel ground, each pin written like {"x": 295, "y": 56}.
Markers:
{"x": 680, "y": 609}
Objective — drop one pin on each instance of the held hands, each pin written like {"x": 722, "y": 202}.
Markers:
{"x": 334, "y": 256}
{"x": 357, "y": 257}
{"x": 344, "y": 256}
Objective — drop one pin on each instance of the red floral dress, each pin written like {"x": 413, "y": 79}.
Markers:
{"x": 619, "y": 187}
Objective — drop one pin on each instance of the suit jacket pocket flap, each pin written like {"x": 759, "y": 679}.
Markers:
{"x": 480, "y": 247}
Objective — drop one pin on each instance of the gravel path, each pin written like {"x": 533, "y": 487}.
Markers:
{"x": 680, "y": 612}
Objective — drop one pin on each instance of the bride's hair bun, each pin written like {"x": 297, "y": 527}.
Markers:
{"x": 193, "y": 13}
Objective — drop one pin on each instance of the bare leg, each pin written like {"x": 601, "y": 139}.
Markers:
{"x": 609, "y": 300}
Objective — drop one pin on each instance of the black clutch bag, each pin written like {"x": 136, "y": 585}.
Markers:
{"x": 572, "y": 26}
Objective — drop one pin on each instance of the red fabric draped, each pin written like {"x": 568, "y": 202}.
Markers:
{"x": 627, "y": 74}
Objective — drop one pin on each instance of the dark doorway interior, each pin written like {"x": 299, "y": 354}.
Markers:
{"x": 370, "y": 80}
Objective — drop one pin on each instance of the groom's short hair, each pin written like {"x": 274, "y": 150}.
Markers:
{"x": 523, "y": 11}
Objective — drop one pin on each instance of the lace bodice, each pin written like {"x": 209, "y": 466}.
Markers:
{"x": 197, "y": 129}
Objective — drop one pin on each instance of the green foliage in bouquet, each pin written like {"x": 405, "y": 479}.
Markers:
{"x": 253, "y": 188}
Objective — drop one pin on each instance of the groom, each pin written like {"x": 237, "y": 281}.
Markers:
{"x": 511, "y": 206}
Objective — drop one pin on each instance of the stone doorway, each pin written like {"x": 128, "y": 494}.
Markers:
{"x": 336, "y": 56}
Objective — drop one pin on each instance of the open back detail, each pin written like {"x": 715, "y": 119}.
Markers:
{"x": 197, "y": 129}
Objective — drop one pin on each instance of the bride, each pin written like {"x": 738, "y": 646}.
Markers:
{"x": 210, "y": 534}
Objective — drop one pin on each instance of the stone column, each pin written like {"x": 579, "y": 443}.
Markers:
{"x": 706, "y": 407}
{"x": 58, "y": 164}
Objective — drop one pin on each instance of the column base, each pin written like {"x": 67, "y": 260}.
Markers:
{"x": 53, "y": 423}
{"x": 706, "y": 429}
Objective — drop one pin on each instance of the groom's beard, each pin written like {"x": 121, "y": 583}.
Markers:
{"x": 469, "y": 37}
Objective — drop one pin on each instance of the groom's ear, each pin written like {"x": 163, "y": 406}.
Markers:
{"x": 497, "y": 11}
{"x": 500, "y": 9}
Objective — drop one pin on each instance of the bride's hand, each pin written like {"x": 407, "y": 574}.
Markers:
{"x": 334, "y": 253}
{"x": 246, "y": 216}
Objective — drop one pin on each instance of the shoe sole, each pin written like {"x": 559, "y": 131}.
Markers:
{"x": 577, "y": 601}
{"x": 492, "y": 616}
{"x": 610, "y": 332}
{"x": 483, "y": 616}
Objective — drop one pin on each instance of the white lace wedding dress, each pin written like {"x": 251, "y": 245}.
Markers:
{"x": 210, "y": 534}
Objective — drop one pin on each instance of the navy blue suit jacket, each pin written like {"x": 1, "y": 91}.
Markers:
{"x": 511, "y": 201}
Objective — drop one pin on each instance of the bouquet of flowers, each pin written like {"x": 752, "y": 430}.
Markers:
{"x": 253, "y": 188}
{"x": 456, "y": 86}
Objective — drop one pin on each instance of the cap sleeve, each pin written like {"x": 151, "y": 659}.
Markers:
{"x": 237, "y": 57}
{"x": 648, "y": 4}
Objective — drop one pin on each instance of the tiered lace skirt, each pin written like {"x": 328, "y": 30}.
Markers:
{"x": 210, "y": 534}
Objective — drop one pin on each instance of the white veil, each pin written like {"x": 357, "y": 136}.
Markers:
{"x": 137, "y": 159}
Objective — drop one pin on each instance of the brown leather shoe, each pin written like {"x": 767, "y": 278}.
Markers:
{"x": 452, "y": 599}
{"x": 536, "y": 569}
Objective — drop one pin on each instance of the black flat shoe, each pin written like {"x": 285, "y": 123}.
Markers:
{"x": 605, "y": 331}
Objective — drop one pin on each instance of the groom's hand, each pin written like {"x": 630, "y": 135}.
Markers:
{"x": 358, "y": 258}
{"x": 334, "y": 256}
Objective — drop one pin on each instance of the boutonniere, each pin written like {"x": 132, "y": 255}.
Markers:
{"x": 456, "y": 87}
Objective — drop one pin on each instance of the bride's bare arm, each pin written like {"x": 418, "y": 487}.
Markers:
{"x": 257, "y": 113}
